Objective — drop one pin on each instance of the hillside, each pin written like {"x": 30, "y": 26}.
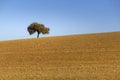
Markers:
{"x": 74, "y": 57}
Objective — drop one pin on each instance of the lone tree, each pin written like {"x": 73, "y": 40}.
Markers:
{"x": 39, "y": 28}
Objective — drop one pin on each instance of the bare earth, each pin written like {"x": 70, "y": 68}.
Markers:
{"x": 75, "y": 57}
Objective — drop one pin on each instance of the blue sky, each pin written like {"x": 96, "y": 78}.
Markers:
{"x": 63, "y": 17}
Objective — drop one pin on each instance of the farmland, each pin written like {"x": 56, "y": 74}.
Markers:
{"x": 73, "y": 57}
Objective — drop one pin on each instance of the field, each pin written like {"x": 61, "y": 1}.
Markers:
{"x": 73, "y": 57}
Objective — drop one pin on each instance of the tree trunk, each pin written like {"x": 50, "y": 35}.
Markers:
{"x": 38, "y": 35}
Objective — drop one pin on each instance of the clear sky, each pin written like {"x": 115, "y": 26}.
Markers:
{"x": 63, "y": 17}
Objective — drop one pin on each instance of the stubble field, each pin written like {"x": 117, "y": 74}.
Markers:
{"x": 74, "y": 57}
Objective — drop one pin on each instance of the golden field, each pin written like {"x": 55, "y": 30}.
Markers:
{"x": 73, "y": 57}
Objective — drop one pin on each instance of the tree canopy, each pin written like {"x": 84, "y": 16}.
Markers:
{"x": 37, "y": 27}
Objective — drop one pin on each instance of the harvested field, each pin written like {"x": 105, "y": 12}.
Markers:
{"x": 74, "y": 57}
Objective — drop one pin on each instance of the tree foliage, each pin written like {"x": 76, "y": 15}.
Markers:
{"x": 37, "y": 27}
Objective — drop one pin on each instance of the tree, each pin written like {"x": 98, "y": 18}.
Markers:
{"x": 39, "y": 28}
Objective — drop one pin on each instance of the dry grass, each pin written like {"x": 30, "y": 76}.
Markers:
{"x": 76, "y": 57}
